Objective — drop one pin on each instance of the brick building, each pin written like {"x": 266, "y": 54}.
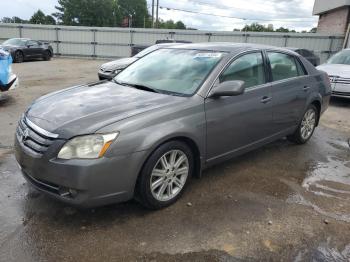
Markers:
{"x": 334, "y": 16}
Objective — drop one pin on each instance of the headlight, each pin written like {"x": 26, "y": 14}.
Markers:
{"x": 87, "y": 147}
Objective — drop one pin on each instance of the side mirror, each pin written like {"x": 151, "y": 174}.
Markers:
{"x": 229, "y": 88}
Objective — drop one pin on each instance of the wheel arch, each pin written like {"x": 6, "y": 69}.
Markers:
{"x": 318, "y": 105}
{"x": 189, "y": 142}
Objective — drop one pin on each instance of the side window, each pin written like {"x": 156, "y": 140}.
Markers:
{"x": 300, "y": 68}
{"x": 33, "y": 43}
{"x": 283, "y": 66}
{"x": 248, "y": 68}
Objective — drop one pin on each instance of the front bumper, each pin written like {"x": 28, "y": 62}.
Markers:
{"x": 341, "y": 90}
{"x": 83, "y": 183}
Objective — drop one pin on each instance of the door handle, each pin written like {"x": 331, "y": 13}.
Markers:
{"x": 266, "y": 99}
{"x": 306, "y": 88}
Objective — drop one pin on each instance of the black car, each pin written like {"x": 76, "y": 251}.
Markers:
{"x": 22, "y": 49}
{"x": 138, "y": 48}
{"x": 308, "y": 54}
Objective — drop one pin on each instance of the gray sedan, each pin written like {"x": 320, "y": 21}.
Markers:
{"x": 164, "y": 119}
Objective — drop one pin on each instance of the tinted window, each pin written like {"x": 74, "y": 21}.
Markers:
{"x": 283, "y": 66}
{"x": 172, "y": 71}
{"x": 33, "y": 43}
{"x": 248, "y": 68}
{"x": 307, "y": 53}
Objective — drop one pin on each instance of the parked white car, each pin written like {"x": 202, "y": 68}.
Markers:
{"x": 338, "y": 69}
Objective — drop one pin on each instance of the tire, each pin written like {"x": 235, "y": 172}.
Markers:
{"x": 306, "y": 127}
{"x": 47, "y": 55}
{"x": 168, "y": 179}
{"x": 19, "y": 57}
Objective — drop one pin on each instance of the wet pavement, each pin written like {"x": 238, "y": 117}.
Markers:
{"x": 282, "y": 202}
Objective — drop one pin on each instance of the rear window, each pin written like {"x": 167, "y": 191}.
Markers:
{"x": 284, "y": 66}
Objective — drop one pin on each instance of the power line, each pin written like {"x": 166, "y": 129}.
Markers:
{"x": 234, "y": 17}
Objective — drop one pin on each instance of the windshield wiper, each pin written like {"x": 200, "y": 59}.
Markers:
{"x": 138, "y": 86}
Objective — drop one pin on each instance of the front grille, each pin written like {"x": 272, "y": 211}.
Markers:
{"x": 339, "y": 80}
{"x": 33, "y": 138}
{"x": 341, "y": 93}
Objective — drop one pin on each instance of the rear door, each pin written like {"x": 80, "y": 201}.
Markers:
{"x": 34, "y": 49}
{"x": 290, "y": 89}
{"x": 234, "y": 123}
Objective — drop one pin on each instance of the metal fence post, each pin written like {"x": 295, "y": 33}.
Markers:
{"x": 20, "y": 30}
{"x": 94, "y": 43}
{"x": 209, "y": 36}
{"x": 57, "y": 41}
{"x": 131, "y": 41}
{"x": 286, "y": 40}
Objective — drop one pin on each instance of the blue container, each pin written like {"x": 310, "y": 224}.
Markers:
{"x": 5, "y": 67}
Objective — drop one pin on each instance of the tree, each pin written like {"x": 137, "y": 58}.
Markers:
{"x": 88, "y": 13}
{"x": 135, "y": 8}
{"x": 38, "y": 18}
{"x": 313, "y": 30}
{"x": 14, "y": 19}
{"x": 180, "y": 25}
{"x": 256, "y": 27}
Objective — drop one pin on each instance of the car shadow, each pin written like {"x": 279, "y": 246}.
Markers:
{"x": 340, "y": 102}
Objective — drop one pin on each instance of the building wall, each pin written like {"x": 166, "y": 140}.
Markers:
{"x": 322, "y": 6}
{"x": 335, "y": 21}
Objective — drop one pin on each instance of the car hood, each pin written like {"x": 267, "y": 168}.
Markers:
{"x": 336, "y": 70}
{"x": 118, "y": 64}
{"x": 86, "y": 109}
{"x": 8, "y": 47}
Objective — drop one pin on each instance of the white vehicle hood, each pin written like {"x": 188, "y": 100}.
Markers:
{"x": 336, "y": 70}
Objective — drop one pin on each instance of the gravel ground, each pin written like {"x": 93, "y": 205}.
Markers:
{"x": 280, "y": 203}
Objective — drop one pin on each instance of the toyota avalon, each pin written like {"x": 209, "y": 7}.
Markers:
{"x": 164, "y": 119}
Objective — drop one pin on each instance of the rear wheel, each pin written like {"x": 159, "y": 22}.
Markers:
{"x": 165, "y": 175}
{"x": 19, "y": 57}
{"x": 306, "y": 127}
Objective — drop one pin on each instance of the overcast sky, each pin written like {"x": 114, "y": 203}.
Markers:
{"x": 294, "y": 14}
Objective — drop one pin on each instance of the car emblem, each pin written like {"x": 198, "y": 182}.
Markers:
{"x": 334, "y": 79}
{"x": 25, "y": 135}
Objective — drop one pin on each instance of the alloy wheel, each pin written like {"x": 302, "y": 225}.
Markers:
{"x": 308, "y": 124}
{"x": 169, "y": 175}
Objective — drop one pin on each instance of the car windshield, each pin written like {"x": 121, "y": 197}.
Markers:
{"x": 15, "y": 41}
{"x": 342, "y": 58}
{"x": 171, "y": 71}
{"x": 146, "y": 51}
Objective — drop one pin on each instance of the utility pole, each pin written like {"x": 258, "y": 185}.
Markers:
{"x": 152, "y": 13}
{"x": 157, "y": 17}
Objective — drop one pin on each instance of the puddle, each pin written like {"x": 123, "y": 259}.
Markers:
{"x": 325, "y": 253}
{"x": 330, "y": 179}
{"x": 326, "y": 188}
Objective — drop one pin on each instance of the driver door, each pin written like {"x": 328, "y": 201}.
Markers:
{"x": 239, "y": 122}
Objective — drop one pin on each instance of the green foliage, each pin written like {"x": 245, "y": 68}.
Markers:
{"x": 40, "y": 18}
{"x": 88, "y": 12}
{"x": 135, "y": 8}
{"x": 170, "y": 24}
{"x": 14, "y": 19}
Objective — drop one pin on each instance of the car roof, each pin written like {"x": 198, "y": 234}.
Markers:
{"x": 230, "y": 47}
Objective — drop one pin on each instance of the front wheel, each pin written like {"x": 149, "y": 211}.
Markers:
{"x": 165, "y": 175}
{"x": 306, "y": 127}
{"x": 19, "y": 57}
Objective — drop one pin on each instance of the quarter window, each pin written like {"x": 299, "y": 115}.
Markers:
{"x": 284, "y": 66}
{"x": 248, "y": 68}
